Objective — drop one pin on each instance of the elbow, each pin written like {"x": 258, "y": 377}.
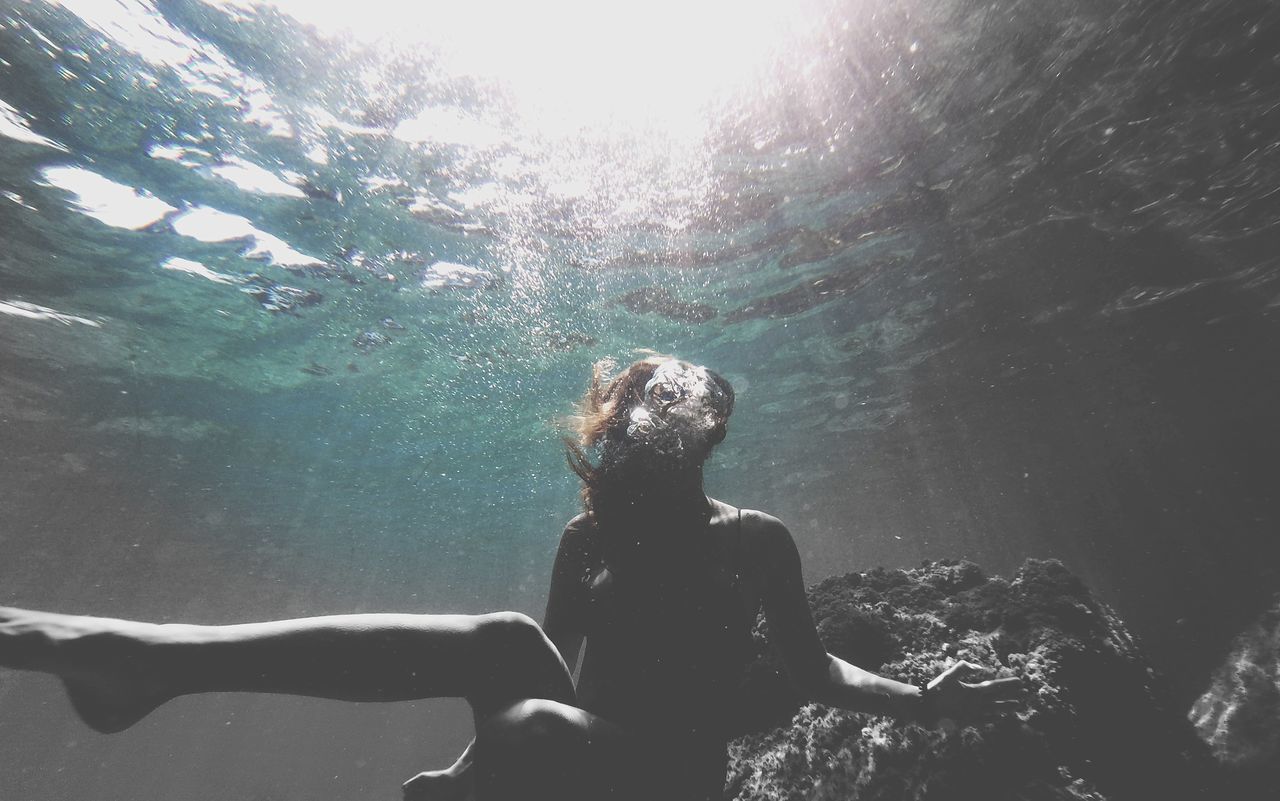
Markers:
{"x": 813, "y": 681}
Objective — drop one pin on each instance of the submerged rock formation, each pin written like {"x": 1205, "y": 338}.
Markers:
{"x": 1095, "y": 726}
{"x": 1239, "y": 715}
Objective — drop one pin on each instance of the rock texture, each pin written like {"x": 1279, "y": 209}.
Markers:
{"x": 1239, "y": 715}
{"x": 1095, "y": 726}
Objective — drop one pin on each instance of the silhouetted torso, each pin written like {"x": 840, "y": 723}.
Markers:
{"x": 667, "y": 619}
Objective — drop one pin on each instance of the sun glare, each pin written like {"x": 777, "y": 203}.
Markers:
{"x": 570, "y": 65}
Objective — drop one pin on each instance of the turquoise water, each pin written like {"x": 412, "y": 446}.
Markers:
{"x": 991, "y": 281}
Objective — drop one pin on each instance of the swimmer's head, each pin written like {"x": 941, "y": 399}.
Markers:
{"x": 682, "y": 411}
{"x": 659, "y": 409}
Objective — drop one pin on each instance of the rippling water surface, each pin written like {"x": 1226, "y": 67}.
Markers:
{"x": 291, "y": 297}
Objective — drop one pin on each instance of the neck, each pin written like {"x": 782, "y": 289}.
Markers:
{"x": 679, "y": 493}
{"x": 645, "y": 489}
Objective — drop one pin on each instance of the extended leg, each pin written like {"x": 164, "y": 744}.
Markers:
{"x": 117, "y": 671}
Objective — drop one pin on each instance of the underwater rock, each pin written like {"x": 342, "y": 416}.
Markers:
{"x": 449, "y": 275}
{"x": 656, "y": 300}
{"x": 1095, "y": 725}
{"x": 276, "y": 297}
{"x": 1239, "y": 715}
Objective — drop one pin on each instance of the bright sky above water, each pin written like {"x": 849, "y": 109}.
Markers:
{"x": 575, "y": 64}
{"x": 612, "y": 106}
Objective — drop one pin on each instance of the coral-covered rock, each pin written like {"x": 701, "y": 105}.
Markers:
{"x": 1096, "y": 724}
{"x": 1239, "y": 715}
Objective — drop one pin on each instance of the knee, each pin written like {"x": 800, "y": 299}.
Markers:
{"x": 515, "y": 660}
{"x": 532, "y": 726}
{"x": 510, "y": 635}
{"x": 532, "y": 750}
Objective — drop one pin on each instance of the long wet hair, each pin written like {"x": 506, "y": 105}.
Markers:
{"x": 603, "y": 415}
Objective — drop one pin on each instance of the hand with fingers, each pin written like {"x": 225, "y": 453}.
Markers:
{"x": 946, "y": 697}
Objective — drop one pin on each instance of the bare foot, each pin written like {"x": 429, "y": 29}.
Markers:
{"x": 100, "y": 661}
{"x": 440, "y": 785}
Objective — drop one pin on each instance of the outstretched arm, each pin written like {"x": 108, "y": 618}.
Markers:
{"x": 830, "y": 680}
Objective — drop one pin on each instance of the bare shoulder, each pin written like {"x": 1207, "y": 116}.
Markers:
{"x": 763, "y": 535}
{"x": 579, "y": 534}
{"x": 766, "y": 530}
{"x": 580, "y": 525}
{"x": 769, "y": 553}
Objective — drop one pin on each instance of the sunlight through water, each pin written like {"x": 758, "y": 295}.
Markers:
{"x": 576, "y": 64}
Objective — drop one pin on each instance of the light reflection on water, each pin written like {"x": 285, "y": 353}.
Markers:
{"x": 15, "y": 127}
{"x": 106, "y": 201}
{"x": 31, "y": 311}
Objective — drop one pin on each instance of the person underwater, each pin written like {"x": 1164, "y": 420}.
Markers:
{"x": 654, "y": 592}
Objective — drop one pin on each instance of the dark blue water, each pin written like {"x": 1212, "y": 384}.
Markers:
{"x": 287, "y": 317}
